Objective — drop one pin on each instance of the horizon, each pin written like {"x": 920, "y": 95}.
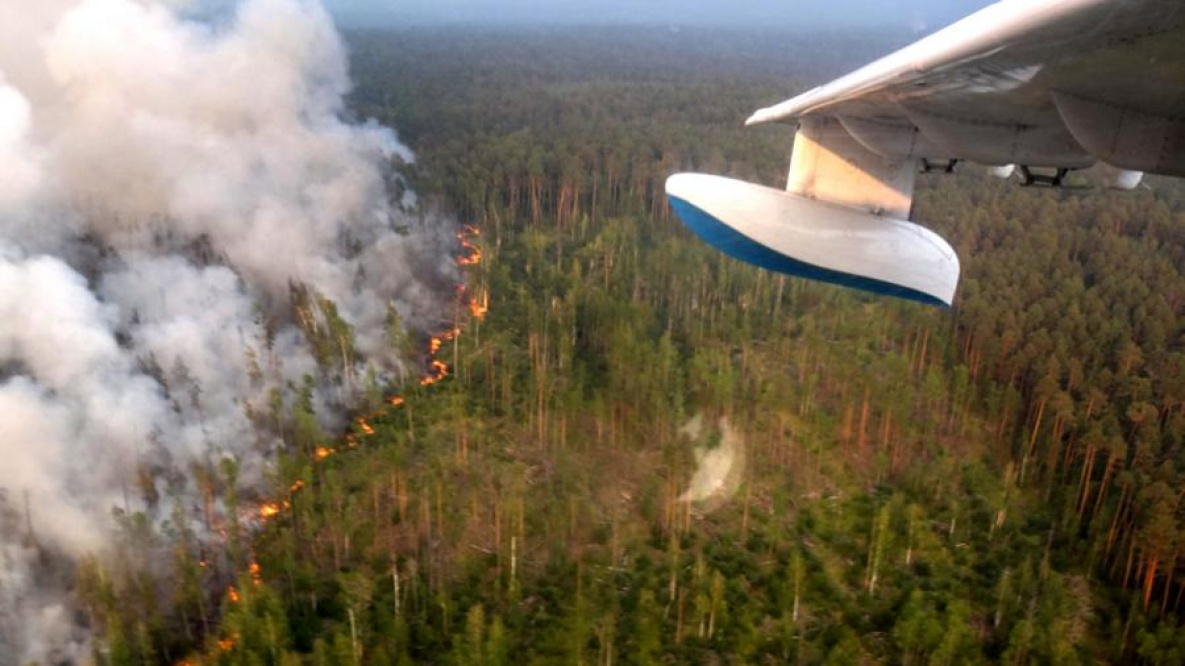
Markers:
{"x": 917, "y": 16}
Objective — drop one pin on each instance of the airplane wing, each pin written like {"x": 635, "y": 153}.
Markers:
{"x": 1047, "y": 85}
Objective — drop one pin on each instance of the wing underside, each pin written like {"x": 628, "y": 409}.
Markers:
{"x": 1047, "y": 85}
{"x": 1062, "y": 83}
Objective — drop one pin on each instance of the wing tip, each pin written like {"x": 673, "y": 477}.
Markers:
{"x": 755, "y": 119}
{"x": 786, "y": 112}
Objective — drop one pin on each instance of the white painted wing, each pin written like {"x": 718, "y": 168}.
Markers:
{"x": 1046, "y": 83}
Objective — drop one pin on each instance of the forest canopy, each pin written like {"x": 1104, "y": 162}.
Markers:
{"x": 1001, "y": 482}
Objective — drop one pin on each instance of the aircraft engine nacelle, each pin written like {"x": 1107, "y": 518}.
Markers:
{"x": 797, "y": 235}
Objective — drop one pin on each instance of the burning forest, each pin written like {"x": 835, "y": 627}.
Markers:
{"x": 202, "y": 261}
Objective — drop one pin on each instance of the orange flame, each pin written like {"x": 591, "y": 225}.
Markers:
{"x": 438, "y": 371}
{"x": 471, "y": 259}
{"x": 256, "y": 573}
{"x": 232, "y": 594}
{"x": 479, "y": 308}
{"x": 472, "y": 255}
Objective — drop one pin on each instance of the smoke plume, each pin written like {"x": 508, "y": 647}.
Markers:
{"x": 169, "y": 188}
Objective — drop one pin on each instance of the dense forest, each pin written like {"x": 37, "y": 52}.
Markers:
{"x": 630, "y": 449}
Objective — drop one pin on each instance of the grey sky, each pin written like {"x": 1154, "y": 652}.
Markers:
{"x": 920, "y": 15}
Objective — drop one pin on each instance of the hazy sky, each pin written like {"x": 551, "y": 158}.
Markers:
{"x": 920, "y": 15}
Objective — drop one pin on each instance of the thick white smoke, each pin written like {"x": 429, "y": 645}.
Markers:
{"x": 164, "y": 181}
{"x": 19, "y": 172}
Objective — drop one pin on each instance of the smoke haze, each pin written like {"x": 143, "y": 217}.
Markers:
{"x": 164, "y": 181}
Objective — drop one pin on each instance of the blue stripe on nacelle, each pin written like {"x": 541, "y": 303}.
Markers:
{"x": 735, "y": 244}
